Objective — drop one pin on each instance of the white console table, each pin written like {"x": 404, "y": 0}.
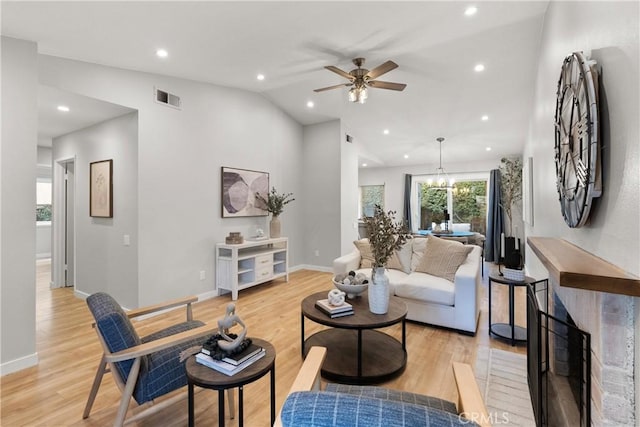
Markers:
{"x": 250, "y": 263}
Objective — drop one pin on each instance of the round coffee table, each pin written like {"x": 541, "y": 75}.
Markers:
{"x": 356, "y": 352}
{"x": 205, "y": 377}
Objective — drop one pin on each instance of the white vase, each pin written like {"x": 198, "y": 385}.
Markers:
{"x": 379, "y": 291}
{"x": 274, "y": 227}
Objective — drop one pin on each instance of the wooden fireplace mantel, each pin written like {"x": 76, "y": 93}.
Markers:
{"x": 574, "y": 267}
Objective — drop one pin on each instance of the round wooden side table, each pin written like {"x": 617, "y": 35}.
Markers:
{"x": 206, "y": 377}
{"x": 508, "y": 331}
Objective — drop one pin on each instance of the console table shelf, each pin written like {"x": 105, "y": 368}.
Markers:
{"x": 574, "y": 267}
{"x": 250, "y": 263}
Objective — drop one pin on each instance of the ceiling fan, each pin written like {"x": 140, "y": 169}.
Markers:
{"x": 361, "y": 78}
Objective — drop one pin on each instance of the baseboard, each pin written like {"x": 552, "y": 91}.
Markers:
{"x": 80, "y": 294}
{"x": 18, "y": 364}
{"x": 311, "y": 267}
{"x": 207, "y": 295}
{"x": 43, "y": 256}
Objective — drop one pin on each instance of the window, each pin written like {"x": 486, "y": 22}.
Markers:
{"x": 466, "y": 203}
{"x": 43, "y": 200}
{"x": 370, "y": 195}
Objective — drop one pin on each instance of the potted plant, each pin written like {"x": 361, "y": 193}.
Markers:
{"x": 274, "y": 204}
{"x": 385, "y": 237}
{"x": 511, "y": 186}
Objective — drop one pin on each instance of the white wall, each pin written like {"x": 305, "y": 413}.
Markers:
{"x": 348, "y": 193}
{"x": 608, "y": 33}
{"x": 17, "y": 219}
{"x": 180, "y": 153}
{"x": 321, "y": 177}
{"x": 102, "y": 261}
{"x": 44, "y": 155}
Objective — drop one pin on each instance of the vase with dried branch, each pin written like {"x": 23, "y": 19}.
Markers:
{"x": 385, "y": 237}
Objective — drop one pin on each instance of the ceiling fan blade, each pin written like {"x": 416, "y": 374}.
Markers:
{"x": 340, "y": 72}
{"x": 332, "y": 87}
{"x": 386, "y": 85}
{"x": 381, "y": 69}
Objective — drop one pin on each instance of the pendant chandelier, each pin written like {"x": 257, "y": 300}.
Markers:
{"x": 442, "y": 179}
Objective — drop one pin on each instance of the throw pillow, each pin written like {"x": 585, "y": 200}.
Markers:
{"x": 443, "y": 257}
{"x": 366, "y": 254}
{"x": 419, "y": 246}
{"x": 401, "y": 259}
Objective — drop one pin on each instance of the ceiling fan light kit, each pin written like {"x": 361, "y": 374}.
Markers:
{"x": 360, "y": 79}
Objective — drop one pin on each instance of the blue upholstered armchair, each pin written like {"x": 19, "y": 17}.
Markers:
{"x": 352, "y": 406}
{"x": 143, "y": 368}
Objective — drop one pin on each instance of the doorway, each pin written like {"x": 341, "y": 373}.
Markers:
{"x": 64, "y": 227}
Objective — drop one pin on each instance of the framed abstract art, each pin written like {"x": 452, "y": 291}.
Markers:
{"x": 239, "y": 187}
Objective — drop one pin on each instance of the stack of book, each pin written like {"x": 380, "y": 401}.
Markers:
{"x": 232, "y": 364}
{"x": 333, "y": 311}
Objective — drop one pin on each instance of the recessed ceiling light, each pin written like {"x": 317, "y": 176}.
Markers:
{"x": 63, "y": 108}
{"x": 260, "y": 77}
{"x": 488, "y": 148}
{"x": 485, "y": 118}
{"x": 161, "y": 53}
{"x": 386, "y": 131}
{"x": 479, "y": 67}
{"x": 310, "y": 104}
{"x": 406, "y": 156}
{"x": 471, "y": 10}
{"x": 364, "y": 165}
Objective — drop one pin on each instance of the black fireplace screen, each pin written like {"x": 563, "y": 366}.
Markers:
{"x": 558, "y": 363}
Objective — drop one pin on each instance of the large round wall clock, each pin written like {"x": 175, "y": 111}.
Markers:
{"x": 577, "y": 152}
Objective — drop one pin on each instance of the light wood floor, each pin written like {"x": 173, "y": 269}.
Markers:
{"x": 54, "y": 392}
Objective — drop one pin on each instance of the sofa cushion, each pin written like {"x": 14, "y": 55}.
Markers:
{"x": 418, "y": 248}
{"x": 366, "y": 254}
{"x": 443, "y": 257}
{"x": 425, "y": 287}
{"x": 324, "y": 409}
{"x": 401, "y": 259}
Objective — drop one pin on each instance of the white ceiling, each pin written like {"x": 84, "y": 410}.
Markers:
{"x": 228, "y": 43}
{"x": 83, "y": 112}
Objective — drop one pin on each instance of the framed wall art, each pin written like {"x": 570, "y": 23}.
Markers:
{"x": 239, "y": 187}
{"x": 101, "y": 189}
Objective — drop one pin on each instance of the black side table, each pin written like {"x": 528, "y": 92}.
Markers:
{"x": 205, "y": 377}
{"x": 508, "y": 331}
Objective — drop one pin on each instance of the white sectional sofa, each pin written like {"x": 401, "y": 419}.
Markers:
{"x": 430, "y": 299}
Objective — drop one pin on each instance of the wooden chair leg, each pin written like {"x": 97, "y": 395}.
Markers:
{"x": 102, "y": 368}
{"x": 127, "y": 393}
{"x": 232, "y": 405}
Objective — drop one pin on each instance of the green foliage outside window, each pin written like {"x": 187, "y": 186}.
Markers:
{"x": 43, "y": 212}
{"x": 433, "y": 202}
{"x": 469, "y": 205}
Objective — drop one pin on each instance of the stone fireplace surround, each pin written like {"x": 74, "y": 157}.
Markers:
{"x": 609, "y": 320}
{"x": 600, "y": 298}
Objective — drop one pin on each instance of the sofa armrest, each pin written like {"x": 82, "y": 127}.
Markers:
{"x": 346, "y": 263}
{"x": 467, "y": 291}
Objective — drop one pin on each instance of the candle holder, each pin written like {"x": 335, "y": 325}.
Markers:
{"x": 510, "y": 255}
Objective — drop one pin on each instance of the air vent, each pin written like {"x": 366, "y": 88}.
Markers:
{"x": 166, "y": 98}
{"x": 349, "y": 138}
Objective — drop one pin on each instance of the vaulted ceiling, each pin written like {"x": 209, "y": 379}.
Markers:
{"x": 435, "y": 45}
